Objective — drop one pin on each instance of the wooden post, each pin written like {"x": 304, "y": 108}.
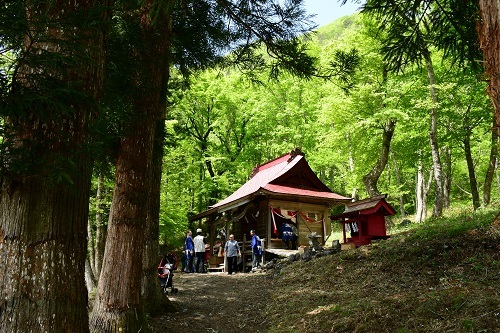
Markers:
{"x": 228, "y": 217}
{"x": 360, "y": 232}
{"x": 343, "y": 229}
{"x": 263, "y": 258}
{"x": 243, "y": 252}
{"x": 268, "y": 229}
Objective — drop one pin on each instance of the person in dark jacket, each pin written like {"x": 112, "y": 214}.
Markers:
{"x": 286, "y": 234}
{"x": 189, "y": 250}
{"x": 256, "y": 246}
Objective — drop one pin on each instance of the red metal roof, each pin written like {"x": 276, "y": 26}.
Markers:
{"x": 274, "y": 162}
{"x": 279, "y": 168}
{"x": 370, "y": 206}
{"x": 366, "y": 206}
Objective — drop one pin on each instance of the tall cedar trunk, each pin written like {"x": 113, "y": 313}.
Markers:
{"x": 436, "y": 161}
{"x": 101, "y": 228}
{"x": 489, "y": 40}
{"x": 118, "y": 303}
{"x": 43, "y": 221}
{"x": 488, "y": 179}
{"x": 155, "y": 302}
{"x": 370, "y": 180}
{"x": 43, "y": 255}
{"x": 472, "y": 174}
{"x": 119, "y": 306}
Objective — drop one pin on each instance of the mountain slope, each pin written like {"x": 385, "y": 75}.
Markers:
{"x": 443, "y": 276}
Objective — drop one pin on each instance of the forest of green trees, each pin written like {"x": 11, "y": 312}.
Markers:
{"x": 225, "y": 124}
{"x": 120, "y": 119}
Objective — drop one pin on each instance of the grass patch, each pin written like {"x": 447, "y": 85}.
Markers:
{"x": 438, "y": 276}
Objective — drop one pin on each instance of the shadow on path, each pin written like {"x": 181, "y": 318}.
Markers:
{"x": 217, "y": 302}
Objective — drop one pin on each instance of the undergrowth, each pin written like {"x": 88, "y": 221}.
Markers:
{"x": 438, "y": 276}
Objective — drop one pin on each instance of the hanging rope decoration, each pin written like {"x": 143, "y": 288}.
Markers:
{"x": 275, "y": 230}
{"x": 277, "y": 211}
{"x": 309, "y": 219}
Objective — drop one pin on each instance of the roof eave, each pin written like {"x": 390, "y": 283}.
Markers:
{"x": 201, "y": 215}
{"x": 222, "y": 208}
{"x": 330, "y": 202}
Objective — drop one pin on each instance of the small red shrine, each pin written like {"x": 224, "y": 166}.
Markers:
{"x": 365, "y": 220}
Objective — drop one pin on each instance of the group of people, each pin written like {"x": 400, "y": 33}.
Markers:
{"x": 195, "y": 249}
{"x": 233, "y": 251}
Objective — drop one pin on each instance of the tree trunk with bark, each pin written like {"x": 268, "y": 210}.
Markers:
{"x": 351, "y": 164}
{"x": 488, "y": 179}
{"x": 489, "y": 40}
{"x": 419, "y": 192}
{"x": 89, "y": 267}
{"x": 422, "y": 192}
{"x": 447, "y": 175}
{"x": 472, "y": 174}
{"x": 119, "y": 303}
{"x": 43, "y": 255}
{"x": 399, "y": 185}
{"x": 44, "y": 205}
{"x": 498, "y": 175}
{"x": 331, "y": 172}
{"x": 90, "y": 279}
{"x": 433, "y": 138}
{"x": 101, "y": 228}
{"x": 155, "y": 302}
{"x": 370, "y": 180}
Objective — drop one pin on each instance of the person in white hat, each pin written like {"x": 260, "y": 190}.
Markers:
{"x": 199, "y": 249}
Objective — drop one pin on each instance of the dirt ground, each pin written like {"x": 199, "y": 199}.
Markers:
{"x": 217, "y": 302}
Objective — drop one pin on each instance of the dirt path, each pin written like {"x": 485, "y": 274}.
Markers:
{"x": 217, "y": 302}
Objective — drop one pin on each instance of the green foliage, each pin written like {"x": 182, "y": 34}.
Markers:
{"x": 411, "y": 27}
{"x": 457, "y": 221}
{"x": 226, "y": 124}
{"x": 42, "y": 76}
{"x": 104, "y": 204}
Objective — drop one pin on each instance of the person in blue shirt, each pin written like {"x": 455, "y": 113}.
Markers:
{"x": 189, "y": 250}
{"x": 256, "y": 250}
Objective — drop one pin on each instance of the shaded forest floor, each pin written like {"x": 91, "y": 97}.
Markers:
{"x": 438, "y": 277}
{"x": 217, "y": 302}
